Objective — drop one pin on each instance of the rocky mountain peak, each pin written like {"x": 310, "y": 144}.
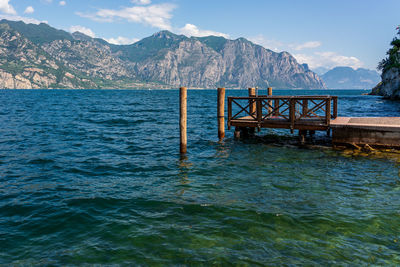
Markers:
{"x": 81, "y": 36}
{"x": 305, "y": 66}
{"x": 167, "y": 35}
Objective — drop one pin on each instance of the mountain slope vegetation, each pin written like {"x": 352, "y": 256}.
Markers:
{"x": 39, "y": 56}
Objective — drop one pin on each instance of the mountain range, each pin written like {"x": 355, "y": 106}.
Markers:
{"x": 40, "y": 56}
{"x": 349, "y": 78}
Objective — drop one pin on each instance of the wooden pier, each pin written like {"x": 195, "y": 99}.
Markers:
{"x": 287, "y": 112}
{"x": 310, "y": 114}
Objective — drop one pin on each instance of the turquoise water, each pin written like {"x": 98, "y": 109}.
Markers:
{"x": 95, "y": 177}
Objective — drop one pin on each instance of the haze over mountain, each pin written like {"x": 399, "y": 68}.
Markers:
{"x": 321, "y": 70}
{"x": 39, "y": 56}
{"x": 349, "y": 78}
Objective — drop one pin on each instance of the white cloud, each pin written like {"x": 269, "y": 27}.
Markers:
{"x": 193, "y": 30}
{"x": 141, "y": 2}
{"x": 81, "y": 29}
{"x": 62, "y": 3}
{"x": 313, "y": 59}
{"x": 29, "y": 10}
{"x": 278, "y": 46}
{"x": 273, "y": 45}
{"x": 157, "y": 15}
{"x": 306, "y": 45}
{"x": 6, "y": 8}
{"x": 24, "y": 19}
{"x": 328, "y": 60}
{"x": 120, "y": 40}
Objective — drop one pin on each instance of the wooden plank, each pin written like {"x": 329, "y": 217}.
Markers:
{"x": 281, "y": 125}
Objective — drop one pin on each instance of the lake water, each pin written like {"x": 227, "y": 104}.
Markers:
{"x": 95, "y": 177}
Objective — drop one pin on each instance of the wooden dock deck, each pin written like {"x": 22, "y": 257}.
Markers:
{"x": 311, "y": 113}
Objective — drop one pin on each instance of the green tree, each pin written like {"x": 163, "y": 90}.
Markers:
{"x": 393, "y": 54}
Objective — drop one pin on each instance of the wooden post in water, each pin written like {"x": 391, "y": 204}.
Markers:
{"x": 252, "y": 103}
{"x": 269, "y": 91}
{"x": 183, "y": 119}
{"x": 270, "y": 101}
{"x": 221, "y": 113}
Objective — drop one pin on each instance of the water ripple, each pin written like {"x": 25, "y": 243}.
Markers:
{"x": 94, "y": 177}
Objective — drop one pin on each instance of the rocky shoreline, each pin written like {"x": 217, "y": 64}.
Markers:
{"x": 389, "y": 87}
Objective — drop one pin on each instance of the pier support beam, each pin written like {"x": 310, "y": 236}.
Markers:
{"x": 302, "y": 136}
{"x": 244, "y": 132}
{"x": 237, "y": 132}
{"x": 221, "y": 113}
{"x": 183, "y": 119}
{"x": 252, "y": 131}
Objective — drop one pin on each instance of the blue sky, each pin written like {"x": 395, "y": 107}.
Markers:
{"x": 321, "y": 33}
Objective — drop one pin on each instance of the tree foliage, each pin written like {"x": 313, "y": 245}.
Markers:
{"x": 393, "y": 55}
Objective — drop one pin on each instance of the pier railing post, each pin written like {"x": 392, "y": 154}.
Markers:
{"x": 270, "y": 101}
{"x": 305, "y": 108}
{"x": 221, "y": 113}
{"x": 229, "y": 112}
{"x": 252, "y": 103}
{"x": 335, "y": 107}
{"x": 328, "y": 111}
{"x": 183, "y": 119}
{"x": 292, "y": 113}
{"x": 259, "y": 111}
{"x": 276, "y": 107}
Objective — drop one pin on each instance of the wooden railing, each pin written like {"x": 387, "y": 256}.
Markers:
{"x": 290, "y": 109}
